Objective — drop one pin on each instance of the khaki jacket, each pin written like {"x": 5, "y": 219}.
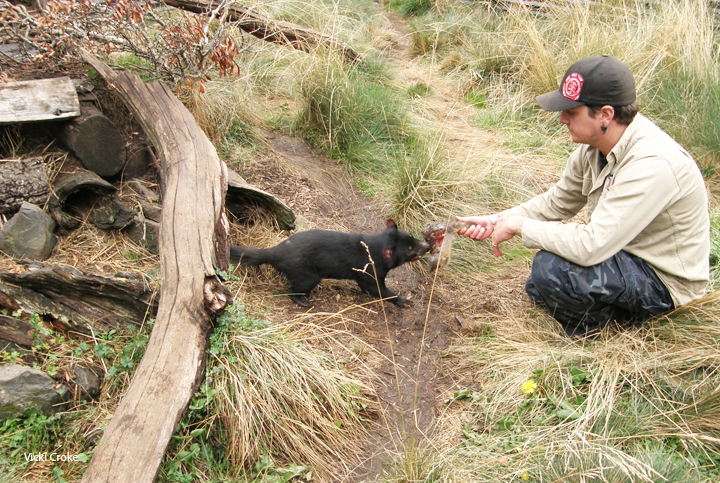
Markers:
{"x": 650, "y": 200}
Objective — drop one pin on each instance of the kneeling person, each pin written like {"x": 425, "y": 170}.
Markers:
{"x": 645, "y": 248}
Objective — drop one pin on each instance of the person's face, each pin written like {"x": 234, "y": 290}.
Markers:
{"x": 583, "y": 126}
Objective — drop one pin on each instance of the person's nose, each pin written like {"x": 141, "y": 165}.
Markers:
{"x": 564, "y": 118}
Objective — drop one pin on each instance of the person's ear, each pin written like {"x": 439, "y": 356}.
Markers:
{"x": 607, "y": 113}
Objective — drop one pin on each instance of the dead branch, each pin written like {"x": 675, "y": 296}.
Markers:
{"x": 268, "y": 29}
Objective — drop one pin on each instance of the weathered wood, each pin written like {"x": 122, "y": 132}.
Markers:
{"x": 79, "y": 300}
{"x": 16, "y": 331}
{"x": 95, "y": 140}
{"x": 240, "y": 193}
{"x": 38, "y": 100}
{"x": 170, "y": 372}
{"x": 22, "y": 180}
{"x": 286, "y": 33}
{"x": 32, "y": 302}
{"x": 92, "y": 187}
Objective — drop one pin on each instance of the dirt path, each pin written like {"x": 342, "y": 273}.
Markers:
{"x": 404, "y": 351}
{"x": 406, "y": 346}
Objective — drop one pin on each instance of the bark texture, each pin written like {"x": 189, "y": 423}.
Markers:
{"x": 170, "y": 372}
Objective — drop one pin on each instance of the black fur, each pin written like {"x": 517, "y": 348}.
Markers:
{"x": 307, "y": 257}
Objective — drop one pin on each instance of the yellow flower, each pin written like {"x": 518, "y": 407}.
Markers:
{"x": 525, "y": 476}
{"x": 528, "y": 387}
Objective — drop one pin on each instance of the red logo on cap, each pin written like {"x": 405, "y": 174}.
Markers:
{"x": 572, "y": 86}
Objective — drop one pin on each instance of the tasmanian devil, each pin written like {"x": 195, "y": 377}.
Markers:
{"x": 307, "y": 257}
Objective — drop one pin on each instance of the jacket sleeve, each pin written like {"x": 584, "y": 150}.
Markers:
{"x": 562, "y": 201}
{"x": 640, "y": 191}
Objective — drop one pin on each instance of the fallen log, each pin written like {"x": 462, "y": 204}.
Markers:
{"x": 22, "y": 180}
{"x": 77, "y": 300}
{"x": 83, "y": 193}
{"x": 267, "y": 29}
{"x": 95, "y": 140}
{"x": 241, "y": 193}
{"x": 193, "y": 227}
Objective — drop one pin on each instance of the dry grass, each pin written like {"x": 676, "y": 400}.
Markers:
{"x": 278, "y": 393}
{"x": 619, "y": 397}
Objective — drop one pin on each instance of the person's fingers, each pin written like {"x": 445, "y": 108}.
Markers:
{"x": 469, "y": 231}
{"x": 478, "y": 232}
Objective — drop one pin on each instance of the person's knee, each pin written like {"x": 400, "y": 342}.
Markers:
{"x": 545, "y": 275}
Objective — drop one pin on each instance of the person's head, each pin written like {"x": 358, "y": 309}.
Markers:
{"x": 595, "y": 82}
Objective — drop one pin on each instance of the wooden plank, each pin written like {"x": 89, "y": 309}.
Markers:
{"x": 38, "y": 100}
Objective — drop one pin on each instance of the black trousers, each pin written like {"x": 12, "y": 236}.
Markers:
{"x": 623, "y": 288}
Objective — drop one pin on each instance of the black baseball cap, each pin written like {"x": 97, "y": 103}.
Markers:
{"x": 596, "y": 81}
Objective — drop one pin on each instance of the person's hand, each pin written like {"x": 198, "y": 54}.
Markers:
{"x": 481, "y": 227}
{"x": 504, "y": 231}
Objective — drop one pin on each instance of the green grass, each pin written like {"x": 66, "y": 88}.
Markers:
{"x": 353, "y": 117}
{"x": 421, "y": 89}
{"x": 715, "y": 248}
{"x": 690, "y": 112}
{"x": 409, "y": 8}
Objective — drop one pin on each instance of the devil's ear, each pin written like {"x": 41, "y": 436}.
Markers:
{"x": 390, "y": 223}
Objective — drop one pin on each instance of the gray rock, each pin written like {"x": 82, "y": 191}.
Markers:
{"x": 144, "y": 233}
{"x": 23, "y": 387}
{"x": 150, "y": 211}
{"x": 28, "y": 234}
{"x": 87, "y": 380}
{"x": 110, "y": 213}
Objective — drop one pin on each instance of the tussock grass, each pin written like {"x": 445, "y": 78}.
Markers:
{"x": 277, "y": 395}
{"x": 419, "y": 462}
{"x": 671, "y": 48}
{"x": 628, "y": 405}
{"x": 424, "y": 185}
{"x": 410, "y": 7}
{"x": 714, "y": 247}
{"x": 226, "y": 111}
{"x": 353, "y": 116}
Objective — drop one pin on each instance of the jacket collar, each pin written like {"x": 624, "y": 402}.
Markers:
{"x": 627, "y": 140}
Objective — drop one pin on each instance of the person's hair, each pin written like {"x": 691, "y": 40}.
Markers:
{"x": 623, "y": 114}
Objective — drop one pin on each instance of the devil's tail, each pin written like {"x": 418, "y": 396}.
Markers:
{"x": 249, "y": 256}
